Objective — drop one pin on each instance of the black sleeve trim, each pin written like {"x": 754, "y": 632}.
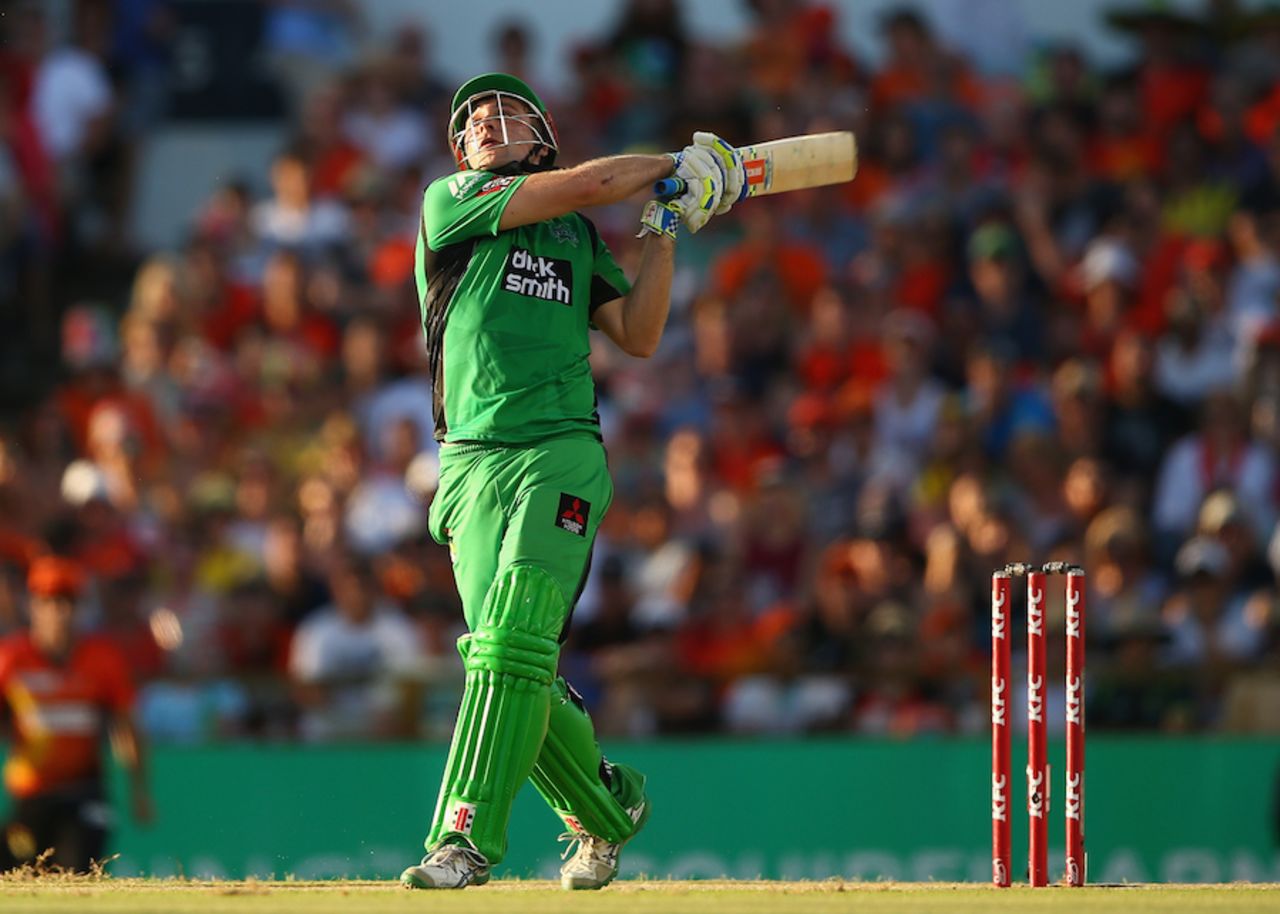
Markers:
{"x": 591, "y": 231}
{"x": 602, "y": 290}
{"x": 445, "y": 269}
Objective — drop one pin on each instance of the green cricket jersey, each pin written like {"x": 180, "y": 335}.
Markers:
{"x": 506, "y": 313}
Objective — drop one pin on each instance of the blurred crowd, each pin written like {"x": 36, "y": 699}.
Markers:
{"x": 1041, "y": 324}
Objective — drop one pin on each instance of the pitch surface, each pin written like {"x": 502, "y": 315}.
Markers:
{"x": 137, "y": 896}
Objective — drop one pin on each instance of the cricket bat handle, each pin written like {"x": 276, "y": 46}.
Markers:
{"x": 670, "y": 188}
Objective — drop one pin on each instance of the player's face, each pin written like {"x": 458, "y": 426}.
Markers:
{"x": 483, "y": 142}
{"x": 51, "y": 622}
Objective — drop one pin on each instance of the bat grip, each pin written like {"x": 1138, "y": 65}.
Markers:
{"x": 669, "y": 188}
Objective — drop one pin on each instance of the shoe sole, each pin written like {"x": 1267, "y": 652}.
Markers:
{"x": 570, "y": 884}
{"x": 413, "y": 881}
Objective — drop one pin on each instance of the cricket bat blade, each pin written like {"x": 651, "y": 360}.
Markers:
{"x": 794, "y": 163}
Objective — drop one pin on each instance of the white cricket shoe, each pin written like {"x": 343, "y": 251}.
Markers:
{"x": 595, "y": 863}
{"x": 449, "y": 866}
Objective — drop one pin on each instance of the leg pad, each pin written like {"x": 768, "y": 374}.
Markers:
{"x": 510, "y": 660}
{"x": 570, "y": 769}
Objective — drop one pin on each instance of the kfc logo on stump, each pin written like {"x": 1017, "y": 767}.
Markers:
{"x": 1073, "y": 796}
{"x": 999, "y": 797}
{"x": 1035, "y": 793}
{"x": 1075, "y": 699}
{"x": 998, "y": 703}
{"x": 1073, "y": 614}
{"x": 573, "y": 513}
{"x": 1035, "y": 699}
{"x": 998, "y": 619}
{"x": 1035, "y": 611}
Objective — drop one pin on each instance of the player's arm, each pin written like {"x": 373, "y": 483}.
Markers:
{"x": 546, "y": 195}
{"x": 635, "y": 321}
{"x": 126, "y": 744}
{"x": 128, "y": 749}
{"x": 7, "y": 713}
{"x": 473, "y": 204}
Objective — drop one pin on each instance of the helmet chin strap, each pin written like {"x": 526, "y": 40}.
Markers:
{"x": 527, "y": 166}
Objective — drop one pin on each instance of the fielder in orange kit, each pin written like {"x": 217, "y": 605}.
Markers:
{"x": 64, "y": 693}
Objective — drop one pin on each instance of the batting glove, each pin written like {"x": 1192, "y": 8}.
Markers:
{"x": 730, "y": 161}
{"x": 660, "y": 217}
{"x": 704, "y": 186}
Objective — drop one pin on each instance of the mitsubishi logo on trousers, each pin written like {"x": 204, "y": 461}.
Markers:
{"x": 572, "y": 514}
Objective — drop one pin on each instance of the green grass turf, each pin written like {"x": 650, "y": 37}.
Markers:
{"x": 139, "y": 896}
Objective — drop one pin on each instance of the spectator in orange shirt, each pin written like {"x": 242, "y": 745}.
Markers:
{"x": 918, "y": 66}
{"x": 1172, "y": 82}
{"x": 63, "y": 693}
{"x": 766, "y": 255}
{"x": 791, "y": 42}
{"x": 1123, "y": 146}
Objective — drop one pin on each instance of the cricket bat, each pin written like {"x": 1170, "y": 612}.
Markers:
{"x": 794, "y": 163}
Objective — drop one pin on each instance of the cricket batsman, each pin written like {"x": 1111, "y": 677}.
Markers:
{"x": 511, "y": 276}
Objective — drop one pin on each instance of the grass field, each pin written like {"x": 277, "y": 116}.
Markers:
{"x": 138, "y": 896}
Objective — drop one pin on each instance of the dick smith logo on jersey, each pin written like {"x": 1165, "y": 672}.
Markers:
{"x": 547, "y": 278}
